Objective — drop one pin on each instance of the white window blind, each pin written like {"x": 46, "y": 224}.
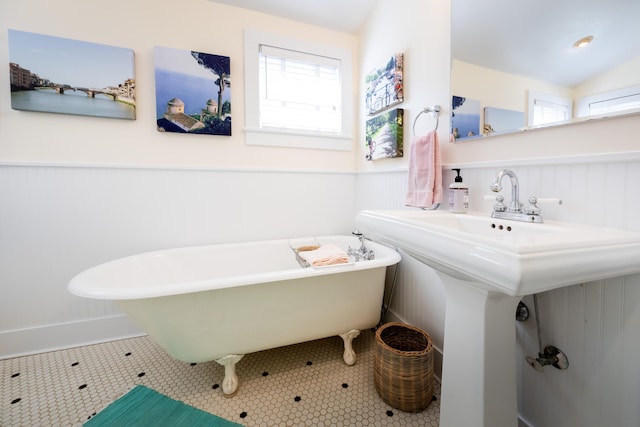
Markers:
{"x": 615, "y": 105}
{"x": 626, "y": 99}
{"x": 299, "y": 91}
{"x": 298, "y": 94}
{"x": 545, "y": 108}
{"x": 548, "y": 112}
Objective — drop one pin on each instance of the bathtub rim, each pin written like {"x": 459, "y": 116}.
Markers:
{"x": 79, "y": 286}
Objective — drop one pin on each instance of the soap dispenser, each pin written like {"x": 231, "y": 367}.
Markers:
{"x": 458, "y": 195}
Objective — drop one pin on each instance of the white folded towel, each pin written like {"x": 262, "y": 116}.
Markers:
{"x": 328, "y": 254}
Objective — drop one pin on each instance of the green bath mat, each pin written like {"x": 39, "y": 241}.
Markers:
{"x": 144, "y": 407}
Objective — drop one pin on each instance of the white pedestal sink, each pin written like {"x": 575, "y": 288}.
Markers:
{"x": 486, "y": 266}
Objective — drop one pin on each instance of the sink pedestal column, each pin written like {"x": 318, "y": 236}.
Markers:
{"x": 479, "y": 366}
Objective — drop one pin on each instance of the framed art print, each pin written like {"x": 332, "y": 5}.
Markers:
{"x": 385, "y": 85}
{"x": 57, "y": 75}
{"x": 385, "y": 135}
{"x": 193, "y": 92}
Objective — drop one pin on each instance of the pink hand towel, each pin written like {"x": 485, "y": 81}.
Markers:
{"x": 425, "y": 172}
{"x": 328, "y": 254}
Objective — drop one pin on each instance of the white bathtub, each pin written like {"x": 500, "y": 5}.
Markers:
{"x": 221, "y": 302}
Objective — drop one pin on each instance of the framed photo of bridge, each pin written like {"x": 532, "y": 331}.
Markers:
{"x": 58, "y": 75}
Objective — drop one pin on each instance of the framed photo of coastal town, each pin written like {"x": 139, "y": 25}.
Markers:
{"x": 384, "y": 85}
{"x": 193, "y": 92}
{"x": 58, "y": 75}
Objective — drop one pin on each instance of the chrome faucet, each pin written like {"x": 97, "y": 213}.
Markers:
{"x": 362, "y": 253}
{"x": 496, "y": 186}
{"x": 515, "y": 210}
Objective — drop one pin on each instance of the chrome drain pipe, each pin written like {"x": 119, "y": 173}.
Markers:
{"x": 550, "y": 355}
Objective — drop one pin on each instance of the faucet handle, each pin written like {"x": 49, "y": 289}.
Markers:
{"x": 499, "y": 206}
{"x": 360, "y": 236}
{"x": 533, "y": 200}
{"x": 362, "y": 253}
{"x": 533, "y": 208}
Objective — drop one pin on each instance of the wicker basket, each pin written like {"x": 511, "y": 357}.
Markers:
{"x": 403, "y": 366}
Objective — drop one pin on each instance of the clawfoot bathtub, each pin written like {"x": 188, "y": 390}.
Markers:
{"x": 221, "y": 302}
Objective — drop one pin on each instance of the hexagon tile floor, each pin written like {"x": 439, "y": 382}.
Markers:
{"x": 305, "y": 384}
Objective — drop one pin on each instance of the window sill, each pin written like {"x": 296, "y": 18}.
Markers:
{"x": 297, "y": 139}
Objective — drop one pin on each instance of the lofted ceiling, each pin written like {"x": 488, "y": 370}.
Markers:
{"x": 539, "y": 44}
{"x": 347, "y": 16}
{"x": 486, "y": 34}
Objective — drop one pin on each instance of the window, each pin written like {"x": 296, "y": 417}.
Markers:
{"x": 617, "y": 101}
{"x": 544, "y": 108}
{"x": 297, "y": 94}
{"x": 299, "y": 91}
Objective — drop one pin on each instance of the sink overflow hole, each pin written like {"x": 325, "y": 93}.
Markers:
{"x": 501, "y": 227}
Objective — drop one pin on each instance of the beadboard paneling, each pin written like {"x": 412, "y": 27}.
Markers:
{"x": 596, "y": 324}
{"x": 56, "y": 221}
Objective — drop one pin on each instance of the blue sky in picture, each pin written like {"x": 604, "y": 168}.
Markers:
{"x": 179, "y": 61}
{"x": 178, "y": 75}
{"x": 73, "y": 62}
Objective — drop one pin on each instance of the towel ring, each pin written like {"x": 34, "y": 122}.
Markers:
{"x": 434, "y": 112}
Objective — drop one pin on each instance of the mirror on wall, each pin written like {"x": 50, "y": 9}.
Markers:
{"x": 514, "y": 64}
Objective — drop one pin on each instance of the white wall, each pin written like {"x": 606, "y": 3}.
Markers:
{"x": 503, "y": 90}
{"x": 200, "y": 25}
{"x": 594, "y": 168}
{"x": 421, "y": 34}
{"x": 498, "y": 89}
{"x": 58, "y": 220}
{"x": 420, "y": 30}
{"x": 76, "y": 191}
{"x": 622, "y": 76}
{"x": 596, "y": 324}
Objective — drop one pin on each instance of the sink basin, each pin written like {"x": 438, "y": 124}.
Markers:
{"x": 515, "y": 258}
{"x": 486, "y": 265}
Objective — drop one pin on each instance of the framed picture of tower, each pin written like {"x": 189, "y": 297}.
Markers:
{"x": 193, "y": 92}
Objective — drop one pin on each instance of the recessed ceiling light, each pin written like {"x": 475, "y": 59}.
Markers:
{"x": 583, "y": 42}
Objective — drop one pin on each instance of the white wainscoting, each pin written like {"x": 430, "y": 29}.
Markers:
{"x": 418, "y": 298}
{"x": 596, "y": 324}
{"x": 57, "y": 220}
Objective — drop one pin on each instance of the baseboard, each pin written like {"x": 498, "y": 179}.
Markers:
{"x": 22, "y": 342}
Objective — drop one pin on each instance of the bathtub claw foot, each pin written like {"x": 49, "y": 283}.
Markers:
{"x": 349, "y": 355}
{"x": 230, "y": 381}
